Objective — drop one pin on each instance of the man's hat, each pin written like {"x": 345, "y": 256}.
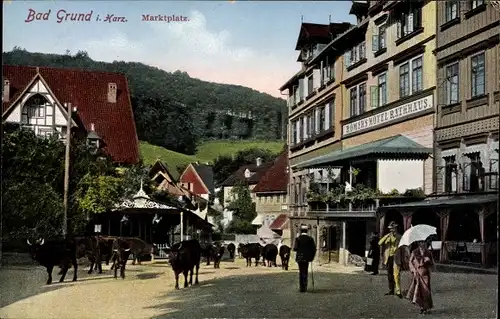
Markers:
{"x": 303, "y": 227}
{"x": 392, "y": 225}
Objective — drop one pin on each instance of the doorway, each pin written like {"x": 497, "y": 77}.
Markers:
{"x": 356, "y": 237}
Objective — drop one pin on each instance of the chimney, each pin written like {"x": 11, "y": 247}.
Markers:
{"x": 258, "y": 161}
{"x": 6, "y": 91}
{"x": 112, "y": 92}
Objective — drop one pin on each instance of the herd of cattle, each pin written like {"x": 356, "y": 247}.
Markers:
{"x": 184, "y": 257}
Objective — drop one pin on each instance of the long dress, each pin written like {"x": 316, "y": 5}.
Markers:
{"x": 419, "y": 292}
{"x": 374, "y": 254}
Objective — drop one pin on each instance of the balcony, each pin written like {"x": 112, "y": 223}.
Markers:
{"x": 360, "y": 201}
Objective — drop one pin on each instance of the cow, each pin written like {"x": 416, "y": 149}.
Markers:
{"x": 106, "y": 251}
{"x": 217, "y": 254}
{"x": 231, "y": 249}
{"x": 120, "y": 252}
{"x": 250, "y": 251}
{"x": 285, "y": 256}
{"x": 139, "y": 248}
{"x": 184, "y": 257}
{"x": 55, "y": 252}
{"x": 90, "y": 247}
{"x": 269, "y": 253}
{"x": 240, "y": 245}
{"x": 207, "y": 251}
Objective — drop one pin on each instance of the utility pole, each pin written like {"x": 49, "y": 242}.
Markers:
{"x": 66, "y": 169}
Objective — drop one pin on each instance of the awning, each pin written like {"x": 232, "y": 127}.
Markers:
{"x": 258, "y": 220}
{"x": 279, "y": 223}
{"x": 393, "y": 147}
{"x": 447, "y": 201}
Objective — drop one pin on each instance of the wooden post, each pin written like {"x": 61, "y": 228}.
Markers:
{"x": 66, "y": 170}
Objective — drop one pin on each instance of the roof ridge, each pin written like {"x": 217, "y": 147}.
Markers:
{"x": 75, "y": 69}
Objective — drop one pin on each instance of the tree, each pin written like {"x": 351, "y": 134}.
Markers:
{"x": 243, "y": 210}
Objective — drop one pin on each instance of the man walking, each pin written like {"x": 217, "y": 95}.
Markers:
{"x": 305, "y": 249}
{"x": 390, "y": 242}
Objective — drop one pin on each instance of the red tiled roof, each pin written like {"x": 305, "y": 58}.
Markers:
{"x": 276, "y": 178}
{"x": 239, "y": 175}
{"x": 280, "y": 223}
{"x": 87, "y": 90}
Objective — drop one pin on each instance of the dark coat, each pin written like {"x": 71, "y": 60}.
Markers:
{"x": 305, "y": 248}
{"x": 373, "y": 253}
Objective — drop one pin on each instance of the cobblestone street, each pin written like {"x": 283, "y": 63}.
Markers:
{"x": 236, "y": 291}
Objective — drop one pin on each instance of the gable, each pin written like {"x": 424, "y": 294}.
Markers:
{"x": 87, "y": 91}
{"x": 53, "y": 113}
{"x": 191, "y": 176}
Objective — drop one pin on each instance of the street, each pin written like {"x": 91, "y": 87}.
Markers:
{"x": 235, "y": 291}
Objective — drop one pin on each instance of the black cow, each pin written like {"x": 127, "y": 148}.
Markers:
{"x": 55, "y": 252}
{"x": 218, "y": 253}
{"x": 269, "y": 253}
{"x": 90, "y": 247}
{"x": 138, "y": 248}
{"x": 250, "y": 251}
{"x": 184, "y": 257}
{"x": 240, "y": 245}
{"x": 231, "y": 248}
{"x": 207, "y": 251}
{"x": 120, "y": 252}
{"x": 285, "y": 256}
{"x": 106, "y": 251}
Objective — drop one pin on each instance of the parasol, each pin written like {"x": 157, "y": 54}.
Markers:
{"x": 417, "y": 233}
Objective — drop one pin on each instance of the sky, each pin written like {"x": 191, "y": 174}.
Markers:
{"x": 248, "y": 43}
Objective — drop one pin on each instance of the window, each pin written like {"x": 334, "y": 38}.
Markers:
{"x": 35, "y": 106}
{"x": 382, "y": 89}
{"x": 451, "y": 86}
{"x": 357, "y": 100}
{"x": 46, "y": 132}
{"x": 294, "y": 133}
{"x": 449, "y": 174}
{"x": 355, "y": 54}
{"x": 416, "y": 82}
{"x": 362, "y": 98}
{"x": 328, "y": 71}
{"x": 451, "y": 8}
{"x": 411, "y": 83}
{"x": 379, "y": 39}
{"x": 478, "y": 75}
{"x": 404, "y": 80}
{"x": 353, "y": 104}
{"x": 409, "y": 21}
{"x": 299, "y": 130}
{"x": 476, "y": 3}
{"x": 311, "y": 124}
{"x": 322, "y": 119}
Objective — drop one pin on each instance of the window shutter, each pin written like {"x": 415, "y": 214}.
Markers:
{"x": 332, "y": 71}
{"x": 398, "y": 25}
{"x": 410, "y": 23}
{"x": 316, "y": 78}
{"x": 322, "y": 73}
{"x": 306, "y": 86}
{"x": 331, "y": 106}
{"x": 327, "y": 116}
{"x": 375, "y": 42}
{"x": 316, "y": 113}
{"x": 301, "y": 89}
{"x": 374, "y": 96}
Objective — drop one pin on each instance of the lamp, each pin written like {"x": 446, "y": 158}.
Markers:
{"x": 156, "y": 219}
{"x": 124, "y": 219}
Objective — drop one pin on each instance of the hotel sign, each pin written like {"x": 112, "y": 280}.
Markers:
{"x": 394, "y": 114}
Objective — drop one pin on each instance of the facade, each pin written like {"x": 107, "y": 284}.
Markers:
{"x": 248, "y": 175}
{"x": 37, "y": 97}
{"x": 384, "y": 127}
{"x": 199, "y": 180}
{"x": 468, "y": 95}
{"x": 271, "y": 198}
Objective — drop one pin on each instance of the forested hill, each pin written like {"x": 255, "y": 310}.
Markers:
{"x": 174, "y": 110}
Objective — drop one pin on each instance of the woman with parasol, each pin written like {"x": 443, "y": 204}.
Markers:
{"x": 420, "y": 263}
